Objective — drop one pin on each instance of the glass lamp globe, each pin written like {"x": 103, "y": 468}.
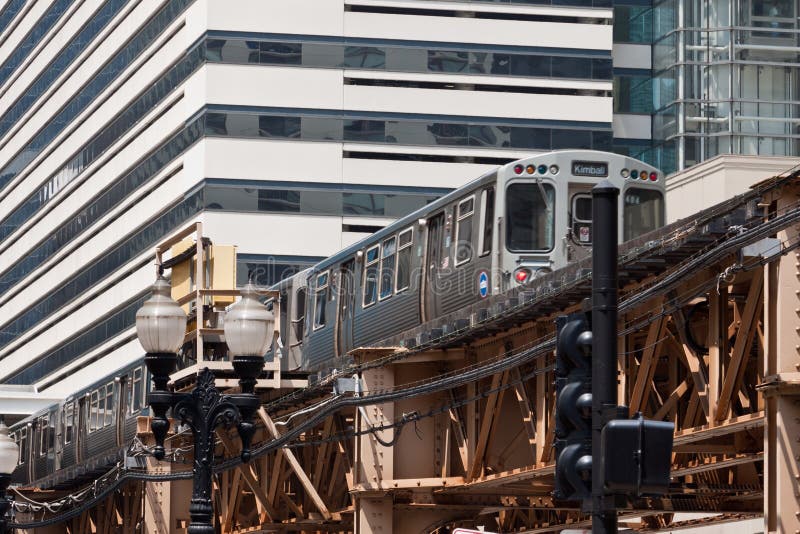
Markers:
{"x": 9, "y": 451}
{"x": 160, "y": 322}
{"x": 249, "y": 325}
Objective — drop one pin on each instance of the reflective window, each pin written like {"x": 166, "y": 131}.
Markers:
{"x": 633, "y": 24}
{"x": 530, "y": 217}
{"x": 405, "y": 248}
{"x": 268, "y": 270}
{"x": 487, "y": 201}
{"x": 388, "y": 251}
{"x": 69, "y": 421}
{"x": 371, "y": 267}
{"x": 633, "y": 94}
{"x": 136, "y": 401}
{"x": 364, "y": 57}
{"x": 408, "y": 58}
{"x": 464, "y": 230}
{"x": 644, "y": 212}
{"x": 43, "y": 431}
{"x": 320, "y": 300}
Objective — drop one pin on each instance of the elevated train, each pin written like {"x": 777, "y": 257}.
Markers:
{"x": 503, "y": 229}
{"x": 512, "y": 224}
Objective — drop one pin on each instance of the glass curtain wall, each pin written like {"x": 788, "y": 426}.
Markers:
{"x": 725, "y": 79}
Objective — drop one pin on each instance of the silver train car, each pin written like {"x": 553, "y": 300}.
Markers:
{"x": 83, "y": 436}
{"x": 526, "y": 218}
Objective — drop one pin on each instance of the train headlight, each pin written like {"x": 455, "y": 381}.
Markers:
{"x": 553, "y": 169}
{"x": 522, "y": 275}
{"x": 643, "y": 175}
{"x": 529, "y": 169}
{"x": 625, "y": 173}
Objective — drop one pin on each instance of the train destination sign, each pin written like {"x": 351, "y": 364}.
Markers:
{"x": 595, "y": 169}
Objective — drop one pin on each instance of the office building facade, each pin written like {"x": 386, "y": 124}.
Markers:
{"x": 722, "y": 78}
{"x": 290, "y": 129}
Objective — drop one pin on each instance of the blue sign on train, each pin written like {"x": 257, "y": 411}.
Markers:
{"x": 483, "y": 284}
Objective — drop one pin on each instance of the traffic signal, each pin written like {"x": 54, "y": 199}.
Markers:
{"x": 573, "y": 429}
{"x": 637, "y": 456}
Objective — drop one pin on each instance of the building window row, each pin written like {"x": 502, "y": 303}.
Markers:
{"x": 409, "y": 58}
{"x": 34, "y": 37}
{"x": 310, "y": 200}
{"x": 141, "y": 241}
{"x": 80, "y": 344}
{"x": 102, "y": 204}
{"x": 98, "y": 144}
{"x": 59, "y": 65}
{"x": 88, "y": 94}
{"x": 419, "y": 132}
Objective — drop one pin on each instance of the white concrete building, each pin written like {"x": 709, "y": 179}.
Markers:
{"x": 288, "y": 128}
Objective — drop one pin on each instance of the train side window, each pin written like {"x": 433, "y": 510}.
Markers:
{"x": 43, "y": 432}
{"x": 582, "y": 218}
{"x": 137, "y": 384}
{"x": 22, "y": 441}
{"x": 404, "y": 248}
{"x": 109, "y": 419}
{"x": 69, "y": 410}
{"x": 464, "y": 230}
{"x": 299, "y": 313}
{"x": 387, "y": 267}
{"x": 93, "y": 407}
{"x": 371, "y": 276}
{"x": 320, "y": 299}
{"x": 487, "y": 224}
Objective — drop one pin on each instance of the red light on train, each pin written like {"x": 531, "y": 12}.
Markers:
{"x": 518, "y": 169}
{"x": 653, "y": 177}
{"x": 521, "y": 275}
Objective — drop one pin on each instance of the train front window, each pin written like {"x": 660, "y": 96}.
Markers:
{"x": 529, "y": 211}
{"x": 644, "y": 211}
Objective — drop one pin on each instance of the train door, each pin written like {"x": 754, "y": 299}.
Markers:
{"x": 346, "y": 307}
{"x": 433, "y": 260}
{"x": 580, "y": 223}
{"x": 82, "y": 431}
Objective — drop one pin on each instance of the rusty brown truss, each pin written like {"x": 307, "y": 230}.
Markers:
{"x": 708, "y": 340}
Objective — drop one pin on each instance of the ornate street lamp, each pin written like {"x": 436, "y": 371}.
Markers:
{"x": 161, "y": 327}
{"x": 9, "y": 454}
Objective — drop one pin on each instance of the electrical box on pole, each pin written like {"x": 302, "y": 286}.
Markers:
{"x": 573, "y": 436}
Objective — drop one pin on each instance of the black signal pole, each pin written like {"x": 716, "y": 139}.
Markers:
{"x": 604, "y": 342}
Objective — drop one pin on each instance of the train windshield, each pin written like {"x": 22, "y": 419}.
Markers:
{"x": 530, "y": 217}
{"x": 644, "y": 211}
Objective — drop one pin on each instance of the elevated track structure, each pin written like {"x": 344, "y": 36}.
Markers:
{"x": 451, "y": 424}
